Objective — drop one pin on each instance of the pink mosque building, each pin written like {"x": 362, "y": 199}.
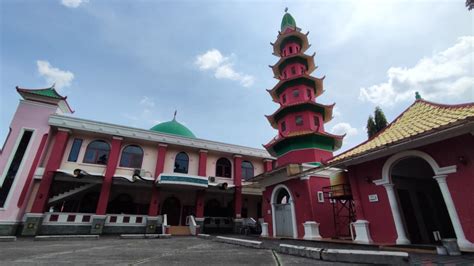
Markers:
{"x": 410, "y": 184}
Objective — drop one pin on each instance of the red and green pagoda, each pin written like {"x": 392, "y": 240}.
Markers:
{"x": 300, "y": 119}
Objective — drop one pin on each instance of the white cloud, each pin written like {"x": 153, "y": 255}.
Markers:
{"x": 344, "y": 128}
{"x": 147, "y": 102}
{"x": 73, "y": 3}
{"x": 54, "y": 75}
{"x": 222, "y": 67}
{"x": 446, "y": 74}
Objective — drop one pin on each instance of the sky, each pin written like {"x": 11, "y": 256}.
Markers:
{"x": 135, "y": 62}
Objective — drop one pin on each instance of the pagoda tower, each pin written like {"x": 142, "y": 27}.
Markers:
{"x": 299, "y": 119}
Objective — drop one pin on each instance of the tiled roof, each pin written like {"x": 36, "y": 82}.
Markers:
{"x": 48, "y": 92}
{"x": 421, "y": 118}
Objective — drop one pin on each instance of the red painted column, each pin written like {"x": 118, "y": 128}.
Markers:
{"x": 356, "y": 194}
{"x": 238, "y": 186}
{"x": 109, "y": 173}
{"x": 155, "y": 192}
{"x": 54, "y": 162}
{"x": 202, "y": 163}
{"x": 200, "y": 203}
{"x": 267, "y": 165}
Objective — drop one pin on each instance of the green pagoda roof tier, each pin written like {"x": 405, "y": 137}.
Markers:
{"x": 288, "y": 22}
{"x": 325, "y": 110}
{"x": 296, "y": 36}
{"x": 173, "y": 127}
{"x": 307, "y": 60}
{"x": 315, "y": 83}
{"x": 304, "y": 140}
{"x": 46, "y": 95}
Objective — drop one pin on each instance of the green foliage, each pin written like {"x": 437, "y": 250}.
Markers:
{"x": 380, "y": 120}
{"x": 377, "y": 123}
{"x": 371, "y": 128}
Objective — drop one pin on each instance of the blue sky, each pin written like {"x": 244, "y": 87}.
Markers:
{"x": 135, "y": 62}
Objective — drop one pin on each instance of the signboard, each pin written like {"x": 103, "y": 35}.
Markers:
{"x": 373, "y": 198}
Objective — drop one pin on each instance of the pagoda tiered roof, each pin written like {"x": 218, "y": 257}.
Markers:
{"x": 282, "y": 36}
{"x": 313, "y": 82}
{"x": 308, "y": 60}
{"x": 325, "y": 110}
{"x": 45, "y": 95}
{"x": 302, "y": 140}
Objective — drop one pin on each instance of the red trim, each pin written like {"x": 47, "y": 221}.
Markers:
{"x": 54, "y": 162}
{"x": 34, "y": 165}
{"x": 238, "y": 186}
{"x": 200, "y": 194}
{"x": 109, "y": 173}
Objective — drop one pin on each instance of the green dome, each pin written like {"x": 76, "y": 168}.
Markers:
{"x": 287, "y": 22}
{"x": 173, "y": 127}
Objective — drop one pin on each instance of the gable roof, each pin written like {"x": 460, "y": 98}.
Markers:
{"x": 420, "y": 119}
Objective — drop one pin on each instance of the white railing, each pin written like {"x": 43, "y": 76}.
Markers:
{"x": 66, "y": 218}
{"x": 193, "y": 226}
{"x": 125, "y": 220}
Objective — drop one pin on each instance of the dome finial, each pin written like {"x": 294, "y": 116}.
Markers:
{"x": 286, "y": 9}
{"x": 175, "y": 113}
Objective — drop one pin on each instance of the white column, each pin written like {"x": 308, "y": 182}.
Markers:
{"x": 397, "y": 219}
{"x": 362, "y": 233}
{"x": 311, "y": 230}
{"x": 463, "y": 243}
{"x": 264, "y": 230}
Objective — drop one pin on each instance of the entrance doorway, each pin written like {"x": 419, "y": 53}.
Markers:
{"x": 422, "y": 206}
{"x": 172, "y": 209}
{"x": 283, "y": 218}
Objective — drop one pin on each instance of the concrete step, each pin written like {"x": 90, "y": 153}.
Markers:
{"x": 239, "y": 241}
{"x": 66, "y": 237}
{"x": 347, "y": 255}
{"x": 144, "y": 236}
{"x": 7, "y": 238}
{"x": 176, "y": 230}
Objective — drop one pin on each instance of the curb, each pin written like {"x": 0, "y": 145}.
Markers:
{"x": 204, "y": 236}
{"x": 347, "y": 255}
{"x": 7, "y": 238}
{"x": 144, "y": 236}
{"x": 240, "y": 242}
{"x": 66, "y": 237}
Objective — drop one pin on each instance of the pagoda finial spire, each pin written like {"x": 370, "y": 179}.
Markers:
{"x": 286, "y": 9}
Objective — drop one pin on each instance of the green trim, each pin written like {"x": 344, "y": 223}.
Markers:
{"x": 175, "y": 128}
{"x": 287, "y": 22}
{"x": 299, "y": 108}
{"x": 315, "y": 163}
{"x": 304, "y": 142}
{"x": 303, "y": 80}
{"x": 185, "y": 179}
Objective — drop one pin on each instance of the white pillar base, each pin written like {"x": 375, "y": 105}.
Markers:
{"x": 465, "y": 245}
{"x": 264, "y": 230}
{"x": 362, "y": 232}
{"x": 311, "y": 230}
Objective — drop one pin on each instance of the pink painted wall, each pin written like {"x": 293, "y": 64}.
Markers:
{"x": 308, "y": 122}
{"x": 29, "y": 115}
{"x": 445, "y": 153}
{"x": 302, "y": 96}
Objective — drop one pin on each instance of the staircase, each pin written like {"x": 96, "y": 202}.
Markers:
{"x": 176, "y": 230}
{"x": 73, "y": 191}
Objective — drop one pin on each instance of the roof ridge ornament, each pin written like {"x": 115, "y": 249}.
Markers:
{"x": 417, "y": 96}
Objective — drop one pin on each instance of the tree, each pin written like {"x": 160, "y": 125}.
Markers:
{"x": 380, "y": 120}
{"x": 371, "y": 130}
{"x": 376, "y": 123}
{"x": 470, "y": 4}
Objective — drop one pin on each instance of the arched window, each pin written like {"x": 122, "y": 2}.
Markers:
{"x": 97, "y": 152}
{"x": 181, "y": 163}
{"x": 132, "y": 157}
{"x": 247, "y": 170}
{"x": 223, "y": 168}
{"x": 283, "y": 197}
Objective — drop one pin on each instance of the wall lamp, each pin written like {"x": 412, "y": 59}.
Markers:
{"x": 79, "y": 173}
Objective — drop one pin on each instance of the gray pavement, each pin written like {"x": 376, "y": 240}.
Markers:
{"x": 112, "y": 250}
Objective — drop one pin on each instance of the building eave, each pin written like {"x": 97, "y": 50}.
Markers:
{"x": 80, "y": 124}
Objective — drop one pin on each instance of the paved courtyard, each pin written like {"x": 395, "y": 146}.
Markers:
{"x": 112, "y": 250}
